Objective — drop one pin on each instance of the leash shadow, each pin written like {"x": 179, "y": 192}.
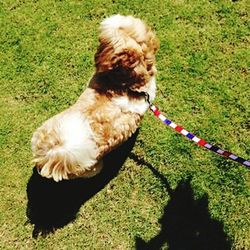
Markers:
{"x": 52, "y": 205}
{"x": 186, "y": 223}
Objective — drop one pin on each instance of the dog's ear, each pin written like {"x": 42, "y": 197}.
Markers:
{"x": 124, "y": 65}
{"x": 109, "y": 58}
{"x": 127, "y": 58}
{"x": 103, "y": 57}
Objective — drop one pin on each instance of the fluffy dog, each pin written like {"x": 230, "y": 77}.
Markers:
{"x": 72, "y": 144}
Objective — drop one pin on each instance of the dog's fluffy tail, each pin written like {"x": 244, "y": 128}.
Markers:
{"x": 63, "y": 147}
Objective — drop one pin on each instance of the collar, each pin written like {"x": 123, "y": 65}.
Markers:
{"x": 143, "y": 94}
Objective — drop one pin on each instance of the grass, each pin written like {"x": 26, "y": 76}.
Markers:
{"x": 46, "y": 59}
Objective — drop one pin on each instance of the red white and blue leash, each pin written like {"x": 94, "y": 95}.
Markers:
{"x": 194, "y": 138}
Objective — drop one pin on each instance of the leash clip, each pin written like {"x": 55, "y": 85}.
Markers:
{"x": 147, "y": 98}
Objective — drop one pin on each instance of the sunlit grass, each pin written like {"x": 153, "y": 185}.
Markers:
{"x": 46, "y": 59}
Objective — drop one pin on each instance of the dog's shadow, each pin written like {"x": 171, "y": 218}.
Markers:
{"x": 52, "y": 205}
{"x": 186, "y": 223}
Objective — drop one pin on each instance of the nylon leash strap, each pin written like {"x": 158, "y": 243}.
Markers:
{"x": 196, "y": 139}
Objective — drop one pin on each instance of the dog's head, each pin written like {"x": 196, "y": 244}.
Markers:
{"x": 126, "y": 53}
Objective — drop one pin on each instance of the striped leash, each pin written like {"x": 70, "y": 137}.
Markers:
{"x": 194, "y": 138}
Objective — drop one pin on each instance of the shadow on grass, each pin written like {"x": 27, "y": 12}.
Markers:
{"x": 186, "y": 223}
{"x": 52, "y": 205}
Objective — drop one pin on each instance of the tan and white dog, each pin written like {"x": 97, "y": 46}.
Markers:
{"x": 72, "y": 144}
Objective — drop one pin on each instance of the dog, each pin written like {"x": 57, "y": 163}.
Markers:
{"x": 72, "y": 143}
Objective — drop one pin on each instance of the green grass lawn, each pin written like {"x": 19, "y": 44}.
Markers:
{"x": 169, "y": 191}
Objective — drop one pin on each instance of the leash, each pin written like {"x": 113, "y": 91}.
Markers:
{"x": 194, "y": 138}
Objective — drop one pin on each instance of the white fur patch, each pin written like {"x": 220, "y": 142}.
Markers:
{"x": 77, "y": 138}
{"x": 152, "y": 88}
{"x": 117, "y": 21}
{"x": 134, "y": 106}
